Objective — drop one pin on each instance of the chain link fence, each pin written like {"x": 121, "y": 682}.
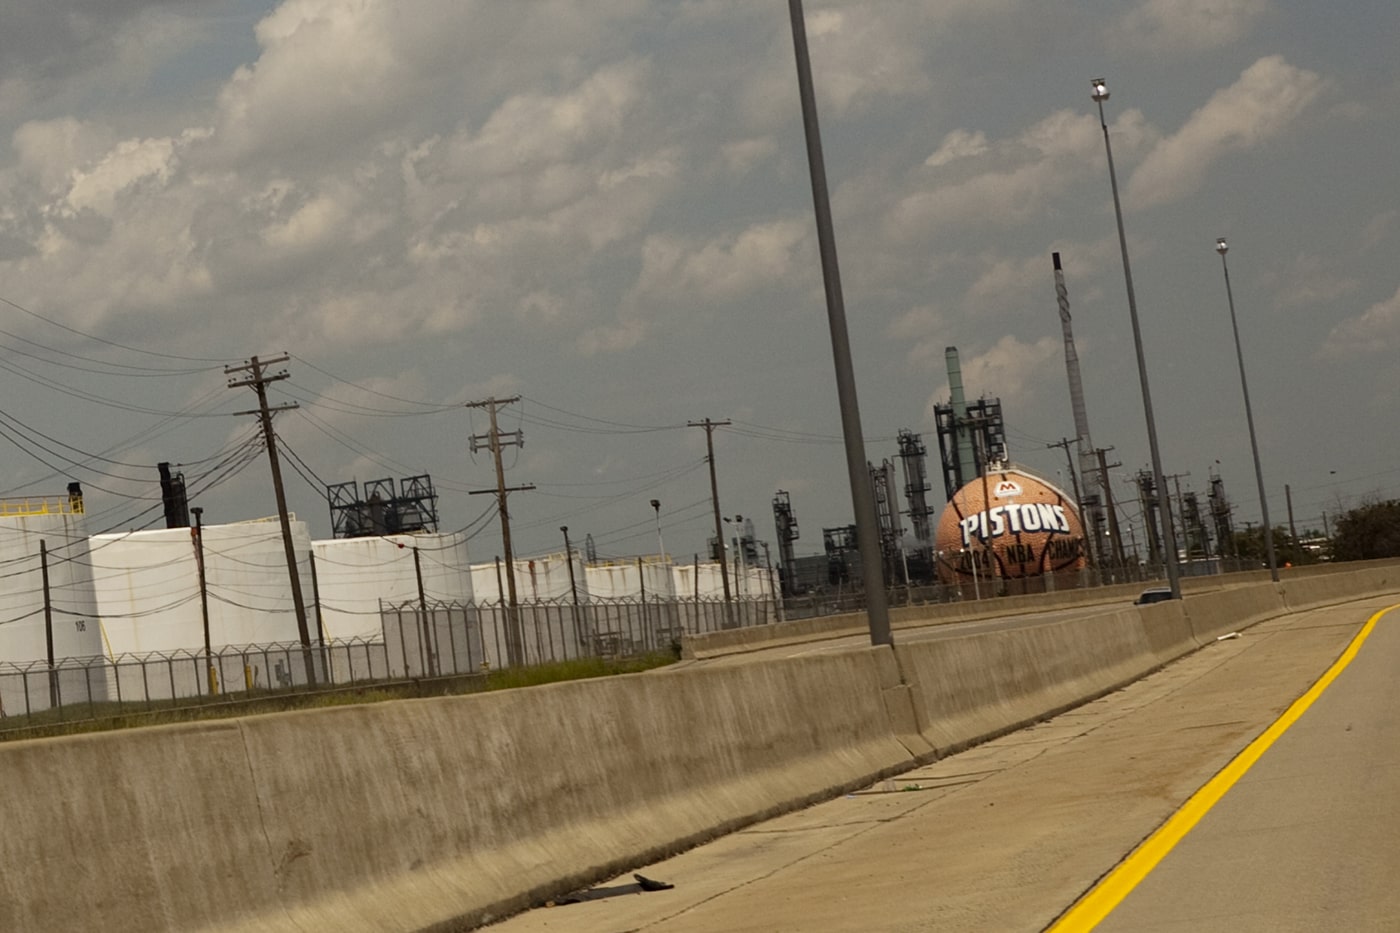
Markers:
{"x": 417, "y": 641}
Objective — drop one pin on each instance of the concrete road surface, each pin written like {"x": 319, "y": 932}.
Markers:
{"x": 1008, "y": 835}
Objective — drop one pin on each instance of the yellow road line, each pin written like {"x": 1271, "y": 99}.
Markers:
{"x": 1091, "y": 909}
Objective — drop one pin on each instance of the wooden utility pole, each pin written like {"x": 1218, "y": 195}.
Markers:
{"x": 1091, "y": 544}
{"x": 709, "y": 427}
{"x": 197, "y": 533}
{"x": 258, "y": 379}
{"x": 1180, "y": 511}
{"x": 1292, "y": 528}
{"x": 515, "y": 653}
{"x": 1108, "y": 503}
{"x": 48, "y": 623}
{"x": 429, "y": 649}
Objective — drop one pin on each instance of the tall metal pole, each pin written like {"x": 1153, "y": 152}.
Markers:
{"x": 1222, "y": 248}
{"x": 1168, "y": 533}
{"x": 867, "y": 536}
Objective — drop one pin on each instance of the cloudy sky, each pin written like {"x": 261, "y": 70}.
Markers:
{"x": 603, "y": 207}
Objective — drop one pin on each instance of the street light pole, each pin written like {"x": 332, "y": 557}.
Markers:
{"x": 862, "y": 499}
{"x": 1222, "y": 248}
{"x": 1100, "y": 95}
{"x": 660, "y": 545}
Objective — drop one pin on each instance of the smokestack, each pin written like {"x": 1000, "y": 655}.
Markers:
{"x": 1088, "y": 468}
{"x": 962, "y": 438}
{"x": 172, "y": 495}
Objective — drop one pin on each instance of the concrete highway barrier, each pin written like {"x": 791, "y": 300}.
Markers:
{"x": 404, "y": 815}
{"x": 1326, "y": 589}
{"x": 975, "y": 687}
{"x": 1229, "y": 610}
{"x": 434, "y": 814}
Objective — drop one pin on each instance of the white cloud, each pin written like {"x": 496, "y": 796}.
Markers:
{"x": 861, "y": 57}
{"x": 530, "y": 130}
{"x": 758, "y": 257}
{"x": 959, "y": 144}
{"x": 129, "y": 163}
{"x": 312, "y": 223}
{"x": 924, "y": 332}
{"x": 1008, "y": 370}
{"x": 1186, "y": 25}
{"x": 613, "y": 338}
{"x": 1269, "y": 96}
{"x": 51, "y": 150}
{"x": 1309, "y": 280}
{"x": 969, "y": 181}
{"x": 1378, "y": 228}
{"x": 742, "y": 156}
{"x": 1375, "y": 330}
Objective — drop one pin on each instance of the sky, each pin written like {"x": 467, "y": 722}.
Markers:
{"x": 604, "y": 208}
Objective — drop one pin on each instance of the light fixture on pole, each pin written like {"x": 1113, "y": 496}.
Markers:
{"x": 1222, "y": 248}
{"x": 1100, "y": 95}
{"x": 660, "y": 545}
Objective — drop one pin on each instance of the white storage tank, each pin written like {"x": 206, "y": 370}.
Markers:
{"x": 631, "y": 579}
{"x": 545, "y": 579}
{"x": 148, "y": 597}
{"x": 372, "y": 607}
{"x": 29, "y": 527}
{"x": 147, "y": 585}
{"x": 553, "y": 626}
{"x": 702, "y": 579}
{"x": 355, "y": 575}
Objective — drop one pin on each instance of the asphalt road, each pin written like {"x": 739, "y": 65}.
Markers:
{"x": 1007, "y": 836}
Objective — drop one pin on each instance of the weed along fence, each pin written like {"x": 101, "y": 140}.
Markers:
{"x": 417, "y": 641}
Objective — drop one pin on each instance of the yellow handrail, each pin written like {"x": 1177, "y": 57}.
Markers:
{"x": 43, "y": 505}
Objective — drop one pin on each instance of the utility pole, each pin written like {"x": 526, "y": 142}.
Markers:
{"x": 1108, "y": 503}
{"x": 776, "y": 592}
{"x": 429, "y": 649}
{"x": 1180, "y": 509}
{"x": 709, "y": 427}
{"x": 514, "y": 648}
{"x": 1150, "y": 498}
{"x": 1292, "y": 528}
{"x": 569, "y": 559}
{"x": 258, "y": 379}
{"x": 1064, "y": 443}
{"x": 48, "y": 623}
{"x": 198, "y": 534}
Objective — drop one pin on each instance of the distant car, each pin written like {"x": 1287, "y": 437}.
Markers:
{"x": 1155, "y": 595}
